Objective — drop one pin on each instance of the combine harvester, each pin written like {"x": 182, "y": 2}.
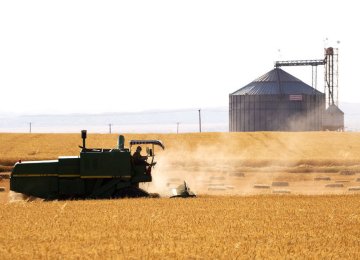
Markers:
{"x": 96, "y": 173}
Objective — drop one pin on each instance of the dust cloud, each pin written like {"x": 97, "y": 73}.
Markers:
{"x": 266, "y": 165}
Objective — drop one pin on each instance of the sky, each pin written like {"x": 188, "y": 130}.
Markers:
{"x": 127, "y": 56}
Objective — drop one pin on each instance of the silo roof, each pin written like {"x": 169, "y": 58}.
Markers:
{"x": 277, "y": 82}
{"x": 333, "y": 109}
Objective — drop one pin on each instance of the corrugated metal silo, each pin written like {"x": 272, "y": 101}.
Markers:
{"x": 276, "y": 101}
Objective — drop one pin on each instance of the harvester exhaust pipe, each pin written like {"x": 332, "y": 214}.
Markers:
{"x": 83, "y": 136}
{"x": 121, "y": 142}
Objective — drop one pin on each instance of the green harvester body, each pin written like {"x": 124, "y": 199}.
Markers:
{"x": 96, "y": 173}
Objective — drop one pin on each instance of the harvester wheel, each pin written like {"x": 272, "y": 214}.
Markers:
{"x": 154, "y": 195}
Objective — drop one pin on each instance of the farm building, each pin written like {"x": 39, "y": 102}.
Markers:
{"x": 276, "y": 101}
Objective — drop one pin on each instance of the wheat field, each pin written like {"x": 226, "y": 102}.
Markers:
{"x": 203, "y": 228}
{"x": 252, "y": 149}
{"x": 231, "y": 218}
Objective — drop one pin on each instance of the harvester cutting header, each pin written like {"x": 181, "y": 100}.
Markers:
{"x": 96, "y": 173}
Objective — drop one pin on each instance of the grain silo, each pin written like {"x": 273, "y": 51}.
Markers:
{"x": 276, "y": 101}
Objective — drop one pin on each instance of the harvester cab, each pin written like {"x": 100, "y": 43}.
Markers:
{"x": 95, "y": 173}
{"x": 150, "y": 152}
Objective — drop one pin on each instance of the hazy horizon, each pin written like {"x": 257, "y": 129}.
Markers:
{"x": 215, "y": 119}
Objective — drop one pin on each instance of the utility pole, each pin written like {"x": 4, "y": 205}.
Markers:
{"x": 109, "y": 128}
{"x": 30, "y": 127}
{"x": 200, "y": 120}
{"x": 177, "y": 127}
